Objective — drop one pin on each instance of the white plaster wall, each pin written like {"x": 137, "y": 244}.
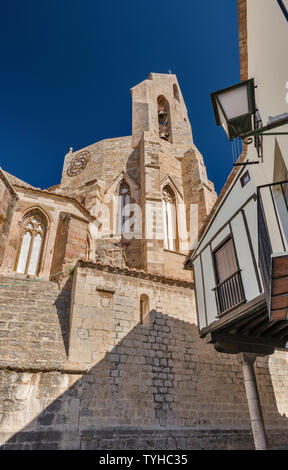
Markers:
{"x": 200, "y": 294}
{"x": 246, "y": 266}
{"x": 209, "y": 280}
{"x": 268, "y": 64}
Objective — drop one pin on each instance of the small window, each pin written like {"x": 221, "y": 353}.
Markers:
{"x": 245, "y": 178}
{"x": 144, "y": 307}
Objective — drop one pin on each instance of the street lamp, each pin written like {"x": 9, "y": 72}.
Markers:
{"x": 234, "y": 108}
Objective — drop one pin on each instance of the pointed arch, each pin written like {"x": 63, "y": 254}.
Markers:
{"x": 113, "y": 187}
{"x": 170, "y": 223}
{"x": 164, "y": 118}
{"x": 169, "y": 181}
{"x": 33, "y": 232}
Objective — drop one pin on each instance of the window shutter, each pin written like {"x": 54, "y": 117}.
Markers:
{"x": 226, "y": 261}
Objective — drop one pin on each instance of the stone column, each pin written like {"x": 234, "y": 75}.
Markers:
{"x": 256, "y": 417}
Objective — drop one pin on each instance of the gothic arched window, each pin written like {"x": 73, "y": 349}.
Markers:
{"x": 144, "y": 307}
{"x": 164, "y": 120}
{"x": 33, "y": 231}
{"x": 169, "y": 219}
{"x": 124, "y": 198}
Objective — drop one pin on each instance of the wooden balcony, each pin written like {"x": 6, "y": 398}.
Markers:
{"x": 229, "y": 293}
{"x": 260, "y": 325}
{"x": 247, "y": 328}
{"x": 273, "y": 248}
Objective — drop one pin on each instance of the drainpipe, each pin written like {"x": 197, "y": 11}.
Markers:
{"x": 254, "y": 405}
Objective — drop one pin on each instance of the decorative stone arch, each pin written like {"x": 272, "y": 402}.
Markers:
{"x": 113, "y": 188}
{"x": 164, "y": 118}
{"x": 168, "y": 181}
{"x": 33, "y": 237}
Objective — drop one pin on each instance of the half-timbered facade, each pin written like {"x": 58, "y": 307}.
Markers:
{"x": 241, "y": 261}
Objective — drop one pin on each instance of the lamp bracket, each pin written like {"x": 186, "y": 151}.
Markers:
{"x": 246, "y": 163}
{"x": 262, "y": 130}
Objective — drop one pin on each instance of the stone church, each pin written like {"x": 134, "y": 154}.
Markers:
{"x": 99, "y": 344}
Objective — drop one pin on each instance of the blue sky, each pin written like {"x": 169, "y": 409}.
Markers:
{"x": 67, "y": 67}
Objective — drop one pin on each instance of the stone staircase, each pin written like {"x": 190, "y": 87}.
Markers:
{"x": 34, "y": 323}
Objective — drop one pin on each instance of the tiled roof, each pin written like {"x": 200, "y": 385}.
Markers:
{"x": 136, "y": 272}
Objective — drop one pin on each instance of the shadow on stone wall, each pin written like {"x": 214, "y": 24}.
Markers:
{"x": 63, "y": 303}
{"x": 160, "y": 387}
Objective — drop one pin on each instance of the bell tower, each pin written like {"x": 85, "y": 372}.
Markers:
{"x": 172, "y": 174}
{"x": 158, "y": 170}
{"x": 158, "y": 107}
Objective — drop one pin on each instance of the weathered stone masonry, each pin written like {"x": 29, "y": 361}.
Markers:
{"x": 121, "y": 384}
{"x": 78, "y": 369}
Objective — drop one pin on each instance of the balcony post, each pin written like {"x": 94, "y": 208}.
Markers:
{"x": 254, "y": 405}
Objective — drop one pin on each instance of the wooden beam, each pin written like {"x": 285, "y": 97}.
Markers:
{"x": 252, "y": 341}
{"x": 279, "y": 266}
{"x": 265, "y": 327}
{"x": 241, "y": 324}
{"x": 228, "y": 347}
{"x": 279, "y": 286}
{"x": 252, "y": 308}
{"x": 252, "y": 325}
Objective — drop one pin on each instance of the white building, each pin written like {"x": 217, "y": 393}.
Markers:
{"x": 241, "y": 261}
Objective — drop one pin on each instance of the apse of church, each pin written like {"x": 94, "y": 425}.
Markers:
{"x": 126, "y": 181}
{"x": 123, "y": 201}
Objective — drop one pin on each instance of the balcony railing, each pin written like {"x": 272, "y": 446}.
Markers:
{"x": 273, "y": 204}
{"x": 273, "y": 246}
{"x": 265, "y": 250}
{"x": 229, "y": 293}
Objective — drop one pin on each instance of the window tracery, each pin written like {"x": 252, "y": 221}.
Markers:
{"x": 33, "y": 232}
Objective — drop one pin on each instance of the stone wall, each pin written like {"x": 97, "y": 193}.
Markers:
{"x": 116, "y": 383}
{"x": 8, "y": 200}
{"x": 147, "y": 163}
{"x": 50, "y": 205}
{"x": 70, "y": 244}
{"x": 106, "y": 160}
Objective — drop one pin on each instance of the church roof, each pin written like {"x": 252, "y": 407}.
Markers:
{"x": 16, "y": 181}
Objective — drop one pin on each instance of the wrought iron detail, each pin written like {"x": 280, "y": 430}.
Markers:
{"x": 229, "y": 293}
{"x": 78, "y": 163}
